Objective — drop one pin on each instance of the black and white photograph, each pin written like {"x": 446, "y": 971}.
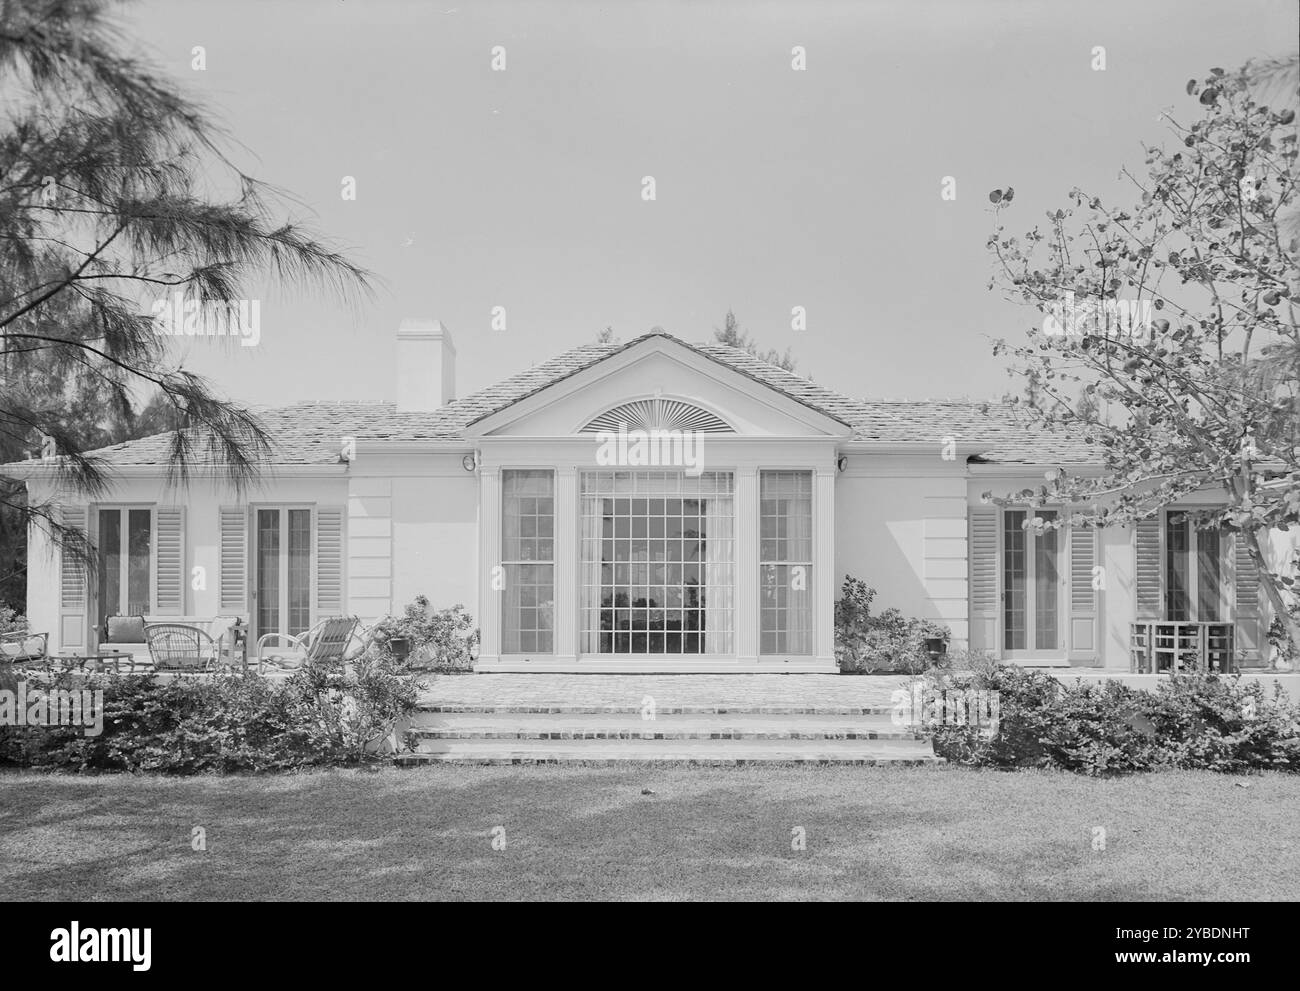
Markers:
{"x": 658, "y": 451}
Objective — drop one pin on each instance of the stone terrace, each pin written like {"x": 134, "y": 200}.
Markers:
{"x": 772, "y": 693}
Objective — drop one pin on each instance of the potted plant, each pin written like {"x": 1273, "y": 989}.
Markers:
{"x": 934, "y": 640}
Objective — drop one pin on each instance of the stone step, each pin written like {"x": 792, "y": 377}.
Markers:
{"x": 434, "y": 751}
{"x": 697, "y": 726}
{"x": 563, "y": 708}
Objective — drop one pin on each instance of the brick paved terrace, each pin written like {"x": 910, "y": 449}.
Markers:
{"x": 683, "y": 692}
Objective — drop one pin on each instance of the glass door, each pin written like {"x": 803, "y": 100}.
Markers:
{"x": 123, "y": 552}
{"x": 282, "y": 570}
{"x": 1195, "y": 562}
{"x": 1032, "y": 588}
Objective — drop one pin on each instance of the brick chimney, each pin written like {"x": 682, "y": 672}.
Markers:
{"x": 426, "y": 365}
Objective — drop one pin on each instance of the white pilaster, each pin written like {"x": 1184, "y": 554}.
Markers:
{"x": 489, "y": 557}
{"x": 824, "y": 576}
{"x": 565, "y": 615}
{"x": 746, "y": 544}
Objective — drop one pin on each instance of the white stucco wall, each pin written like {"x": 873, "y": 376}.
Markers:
{"x": 435, "y": 533}
{"x": 901, "y": 528}
{"x": 42, "y": 570}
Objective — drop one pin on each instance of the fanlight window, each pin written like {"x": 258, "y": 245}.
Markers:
{"x": 657, "y": 414}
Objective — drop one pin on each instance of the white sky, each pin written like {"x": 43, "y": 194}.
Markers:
{"x": 775, "y": 188}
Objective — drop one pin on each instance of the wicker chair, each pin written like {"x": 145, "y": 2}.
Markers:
{"x": 24, "y": 648}
{"x": 328, "y": 641}
{"x": 177, "y": 647}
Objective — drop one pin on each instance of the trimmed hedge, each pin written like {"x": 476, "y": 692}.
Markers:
{"x": 1217, "y": 724}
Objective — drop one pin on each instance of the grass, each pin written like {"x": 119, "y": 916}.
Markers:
{"x": 590, "y": 833}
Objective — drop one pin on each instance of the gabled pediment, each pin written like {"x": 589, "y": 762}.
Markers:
{"x": 658, "y": 380}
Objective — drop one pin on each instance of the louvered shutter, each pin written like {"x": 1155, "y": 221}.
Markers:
{"x": 234, "y": 560}
{"x": 1248, "y": 614}
{"x": 983, "y": 552}
{"x": 1085, "y": 611}
{"x": 169, "y": 561}
{"x": 1146, "y": 581}
{"x": 74, "y": 594}
{"x": 329, "y": 561}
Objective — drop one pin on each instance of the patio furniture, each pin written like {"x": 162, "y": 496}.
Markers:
{"x": 96, "y": 660}
{"x": 177, "y": 647}
{"x": 1181, "y": 648}
{"x": 124, "y": 629}
{"x": 24, "y": 647}
{"x": 328, "y": 642}
{"x": 126, "y": 633}
{"x": 228, "y": 634}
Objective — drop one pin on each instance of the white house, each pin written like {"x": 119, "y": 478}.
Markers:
{"x": 540, "y": 504}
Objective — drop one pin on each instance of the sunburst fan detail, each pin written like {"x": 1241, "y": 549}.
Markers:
{"x": 658, "y": 414}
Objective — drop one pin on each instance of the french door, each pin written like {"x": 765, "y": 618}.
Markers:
{"x": 282, "y": 568}
{"x": 1032, "y": 588}
{"x": 1195, "y": 570}
{"x": 123, "y": 545}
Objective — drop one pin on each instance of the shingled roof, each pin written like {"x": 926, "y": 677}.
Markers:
{"x": 308, "y": 433}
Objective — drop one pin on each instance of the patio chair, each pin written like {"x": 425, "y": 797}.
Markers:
{"x": 24, "y": 647}
{"x": 328, "y": 642}
{"x": 126, "y": 633}
{"x": 227, "y": 633}
{"x": 177, "y": 647}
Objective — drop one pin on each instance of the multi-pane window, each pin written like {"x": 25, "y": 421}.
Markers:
{"x": 657, "y": 572}
{"x": 1031, "y": 582}
{"x": 125, "y": 536}
{"x": 282, "y": 559}
{"x": 785, "y": 562}
{"x": 1194, "y": 564}
{"x": 528, "y": 557}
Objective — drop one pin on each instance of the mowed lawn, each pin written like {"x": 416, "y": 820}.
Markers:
{"x": 590, "y": 833}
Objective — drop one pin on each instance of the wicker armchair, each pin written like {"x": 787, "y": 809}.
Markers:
{"x": 177, "y": 647}
{"x": 327, "y": 641}
{"x": 24, "y": 648}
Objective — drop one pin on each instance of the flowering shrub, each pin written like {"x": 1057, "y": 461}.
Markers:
{"x": 12, "y": 621}
{"x": 441, "y": 640}
{"x": 889, "y": 641}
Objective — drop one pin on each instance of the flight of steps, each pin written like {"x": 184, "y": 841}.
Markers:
{"x": 691, "y": 734}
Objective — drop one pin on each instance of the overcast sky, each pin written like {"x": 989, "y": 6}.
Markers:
{"x": 775, "y": 188}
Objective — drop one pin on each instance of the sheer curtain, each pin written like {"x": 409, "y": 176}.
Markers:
{"x": 528, "y": 556}
{"x": 801, "y": 543}
{"x": 785, "y": 562}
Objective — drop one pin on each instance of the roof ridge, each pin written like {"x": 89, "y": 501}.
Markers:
{"x": 306, "y": 431}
